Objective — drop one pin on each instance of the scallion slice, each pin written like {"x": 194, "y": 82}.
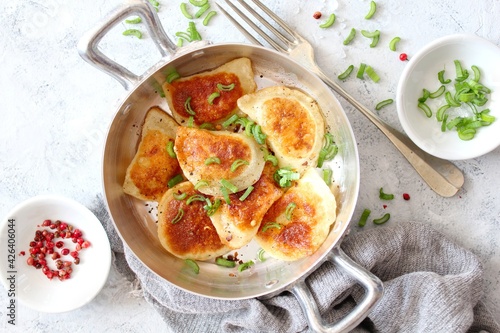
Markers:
{"x": 207, "y": 126}
{"x": 210, "y": 207}
{"x": 271, "y": 225}
{"x": 224, "y": 262}
{"x": 361, "y": 71}
{"x": 200, "y": 184}
{"x": 289, "y": 210}
{"x": 180, "y": 196}
{"x": 372, "y": 74}
{"x": 170, "y": 149}
{"x": 135, "y": 20}
{"x": 225, "y": 195}
{"x": 222, "y": 87}
{"x": 424, "y": 107}
{"x": 441, "y": 111}
{"x": 373, "y": 9}
{"x": 393, "y": 43}
{"x": 202, "y": 10}
{"x": 185, "y": 11}
{"x": 350, "y": 37}
{"x": 212, "y": 160}
{"x": 212, "y": 97}
{"x": 209, "y": 16}
{"x": 175, "y": 180}
{"x": 229, "y": 121}
{"x": 187, "y": 106}
{"x": 247, "y": 193}
{"x": 237, "y": 163}
{"x": 385, "y": 196}
{"x": 260, "y": 255}
{"x": 193, "y": 265}
{"x": 442, "y": 79}
{"x": 346, "y": 73}
{"x": 383, "y": 219}
{"x": 364, "y": 217}
{"x": 285, "y": 176}
{"x": 195, "y": 197}
{"x": 258, "y": 135}
{"x": 133, "y": 32}
{"x": 172, "y": 76}
{"x": 198, "y": 3}
{"x": 178, "y": 216}
{"x": 386, "y": 102}
{"x": 327, "y": 176}
{"x": 245, "y": 265}
{"x": 190, "y": 122}
{"x": 227, "y": 184}
{"x": 438, "y": 92}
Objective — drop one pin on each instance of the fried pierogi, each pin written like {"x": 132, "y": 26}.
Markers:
{"x": 152, "y": 167}
{"x": 216, "y": 157}
{"x": 185, "y": 230}
{"x": 292, "y": 121}
{"x": 210, "y": 97}
{"x": 298, "y": 223}
{"x": 238, "y": 222}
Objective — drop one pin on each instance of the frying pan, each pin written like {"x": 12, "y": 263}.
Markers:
{"x": 136, "y": 222}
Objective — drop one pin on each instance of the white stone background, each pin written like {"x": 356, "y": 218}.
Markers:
{"x": 55, "y": 109}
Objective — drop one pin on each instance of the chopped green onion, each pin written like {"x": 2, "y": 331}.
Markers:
{"x": 213, "y": 96}
{"x": 155, "y": 4}
{"x": 258, "y": 135}
{"x": 385, "y": 196}
{"x": 227, "y": 184}
{"x": 425, "y": 95}
{"x": 133, "y": 32}
{"x": 260, "y": 255}
{"x": 329, "y": 22}
{"x": 173, "y": 76}
{"x": 190, "y": 122}
{"x": 383, "y": 219}
{"x": 185, "y": 11}
{"x": 443, "y": 123}
{"x": 247, "y": 193}
{"x": 450, "y": 100}
{"x": 209, "y": 17}
{"x": 364, "y": 217}
{"x": 180, "y": 42}
{"x": 195, "y": 35}
{"x": 193, "y": 265}
{"x": 373, "y": 8}
{"x": 424, "y": 107}
{"x": 285, "y": 176}
{"x": 222, "y": 87}
{"x": 327, "y": 176}
{"x": 225, "y": 195}
{"x": 328, "y": 151}
{"x": 245, "y": 266}
{"x": 200, "y": 184}
{"x": 386, "y": 102}
{"x": 369, "y": 34}
{"x": 350, "y": 37}
{"x": 268, "y": 157}
{"x": 211, "y": 160}
{"x": 467, "y": 134}
{"x": 347, "y": 72}
{"x": 210, "y": 207}
{"x": 289, "y": 210}
{"x": 441, "y": 111}
{"x": 180, "y": 196}
{"x": 135, "y": 20}
{"x": 271, "y": 225}
{"x": 237, "y": 163}
{"x": 477, "y": 73}
{"x": 202, "y": 11}
{"x": 207, "y": 126}
{"x": 230, "y": 121}
{"x": 393, "y": 43}
{"x": 187, "y": 106}
{"x": 170, "y": 149}
{"x": 438, "y": 92}
{"x": 249, "y": 127}
{"x": 441, "y": 78}
{"x": 224, "y": 262}
{"x": 195, "y": 197}
{"x": 175, "y": 180}
{"x": 361, "y": 71}
{"x": 374, "y": 41}
{"x": 198, "y": 3}
{"x": 178, "y": 216}
{"x": 372, "y": 74}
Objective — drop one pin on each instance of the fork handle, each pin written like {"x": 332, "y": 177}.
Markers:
{"x": 441, "y": 175}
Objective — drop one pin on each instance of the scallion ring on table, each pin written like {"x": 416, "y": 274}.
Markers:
{"x": 385, "y": 196}
{"x": 185, "y": 11}
{"x": 383, "y": 219}
{"x": 393, "y": 43}
{"x": 202, "y": 11}
{"x": 371, "y": 12}
{"x": 383, "y": 103}
{"x": 364, "y": 217}
{"x": 209, "y": 16}
{"x": 135, "y": 20}
{"x": 133, "y": 32}
{"x": 346, "y": 73}
{"x": 372, "y": 74}
{"x": 350, "y": 37}
{"x": 329, "y": 22}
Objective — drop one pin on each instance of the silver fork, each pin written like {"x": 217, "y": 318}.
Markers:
{"x": 442, "y": 176}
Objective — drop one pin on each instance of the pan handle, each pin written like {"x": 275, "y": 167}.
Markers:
{"x": 373, "y": 292}
{"x": 88, "y": 44}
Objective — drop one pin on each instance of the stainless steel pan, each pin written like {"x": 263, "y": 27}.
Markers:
{"x": 135, "y": 222}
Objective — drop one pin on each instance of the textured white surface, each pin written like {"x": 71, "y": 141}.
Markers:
{"x": 56, "y": 108}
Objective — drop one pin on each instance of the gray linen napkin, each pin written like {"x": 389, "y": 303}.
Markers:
{"x": 431, "y": 285}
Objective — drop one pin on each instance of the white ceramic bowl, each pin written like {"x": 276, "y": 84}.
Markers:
{"x": 421, "y": 72}
{"x": 29, "y": 285}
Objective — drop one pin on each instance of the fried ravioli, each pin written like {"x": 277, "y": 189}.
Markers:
{"x": 238, "y": 222}
{"x": 208, "y": 156}
{"x": 298, "y": 223}
{"x": 292, "y": 121}
{"x": 189, "y": 96}
{"x": 185, "y": 230}
{"x": 152, "y": 167}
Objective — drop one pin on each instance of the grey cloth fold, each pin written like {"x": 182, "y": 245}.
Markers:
{"x": 431, "y": 285}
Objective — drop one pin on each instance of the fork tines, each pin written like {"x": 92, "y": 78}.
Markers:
{"x": 286, "y": 44}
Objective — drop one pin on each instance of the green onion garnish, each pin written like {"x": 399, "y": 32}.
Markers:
{"x": 271, "y": 225}
{"x": 442, "y": 79}
{"x": 229, "y": 121}
{"x": 237, "y": 163}
{"x": 350, "y": 37}
{"x": 373, "y": 9}
{"x": 285, "y": 176}
{"x": 190, "y": 122}
{"x": 155, "y": 4}
{"x": 209, "y": 16}
{"x": 247, "y": 193}
{"x": 258, "y": 135}
{"x": 193, "y": 265}
{"x": 385, "y": 196}
{"x": 195, "y": 197}
{"x": 268, "y": 157}
{"x": 245, "y": 266}
{"x": 375, "y": 36}
{"x": 364, "y": 217}
{"x": 198, "y": 3}
{"x": 227, "y": 184}
{"x": 170, "y": 149}
{"x": 328, "y": 151}
{"x": 441, "y": 111}
{"x": 173, "y": 76}
{"x": 372, "y": 74}
{"x": 212, "y": 160}
{"x": 185, "y": 11}
{"x": 346, "y": 73}
{"x": 210, "y": 207}
{"x": 289, "y": 210}
{"x": 202, "y": 11}
{"x": 175, "y": 180}
{"x": 222, "y": 87}
{"x": 200, "y": 184}
{"x": 207, "y": 126}
{"x": 135, "y": 20}
{"x": 133, "y": 32}
{"x": 383, "y": 219}
{"x": 361, "y": 71}
{"x": 438, "y": 92}
{"x": 329, "y": 22}
{"x": 327, "y": 176}
{"x": 224, "y": 262}
{"x": 213, "y": 96}
{"x": 393, "y": 43}
{"x": 180, "y": 196}
{"x": 187, "y": 106}
{"x": 424, "y": 107}
{"x": 225, "y": 195}
{"x": 260, "y": 255}
{"x": 178, "y": 216}
{"x": 386, "y": 102}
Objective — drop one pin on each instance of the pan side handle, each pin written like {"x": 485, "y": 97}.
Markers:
{"x": 88, "y": 44}
{"x": 373, "y": 292}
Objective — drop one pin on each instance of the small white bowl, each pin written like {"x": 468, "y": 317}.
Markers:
{"x": 422, "y": 72}
{"x": 29, "y": 285}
